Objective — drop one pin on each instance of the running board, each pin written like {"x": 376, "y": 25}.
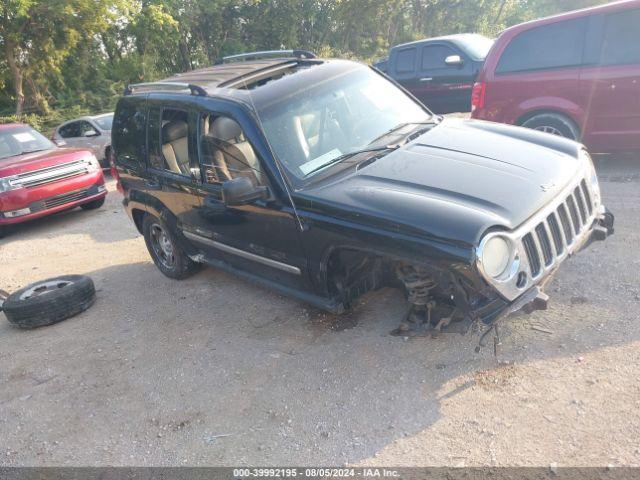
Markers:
{"x": 285, "y": 267}
{"x": 323, "y": 303}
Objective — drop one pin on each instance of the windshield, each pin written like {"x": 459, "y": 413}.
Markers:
{"x": 343, "y": 114}
{"x": 21, "y": 140}
{"x": 104, "y": 122}
{"x": 477, "y": 46}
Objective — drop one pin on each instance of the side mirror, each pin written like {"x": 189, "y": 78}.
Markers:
{"x": 91, "y": 133}
{"x": 454, "y": 61}
{"x": 59, "y": 142}
{"x": 240, "y": 191}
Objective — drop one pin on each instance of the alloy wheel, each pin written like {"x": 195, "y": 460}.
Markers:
{"x": 162, "y": 246}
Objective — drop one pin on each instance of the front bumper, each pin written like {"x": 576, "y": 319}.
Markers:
{"x": 535, "y": 298}
{"x": 55, "y": 204}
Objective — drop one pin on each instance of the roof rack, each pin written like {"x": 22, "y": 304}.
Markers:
{"x": 267, "y": 54}
{"x": 194, "y": 89}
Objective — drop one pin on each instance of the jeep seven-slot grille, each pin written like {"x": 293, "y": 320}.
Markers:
{"x": 53, "y": 174}
{"x": 553, "y": 236}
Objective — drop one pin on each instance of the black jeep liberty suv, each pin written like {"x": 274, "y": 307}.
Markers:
{"x": 325, "y": 180}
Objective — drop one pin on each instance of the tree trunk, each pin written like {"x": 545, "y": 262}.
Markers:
{"x": 16, "y": 75}
{"x": 41, "y": 102}
{"x": 500, "y": 11}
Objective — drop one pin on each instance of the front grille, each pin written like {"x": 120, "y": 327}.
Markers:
{"x": 552, "y": 221}
{"x": 52, "y": 174}
{"x": 566, "y": 223}
{"x": 545, "y": 243}
{"x": 554, "y": 236}
{"x": 532, "y": 254}
{"x": 64, "y": 199}
{"x": 587, "y": 196}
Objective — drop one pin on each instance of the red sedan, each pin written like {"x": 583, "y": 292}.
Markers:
{"x": 37, "y": 178}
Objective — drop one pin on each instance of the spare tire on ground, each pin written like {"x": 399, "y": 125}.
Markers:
{"x": 49, "y": 301}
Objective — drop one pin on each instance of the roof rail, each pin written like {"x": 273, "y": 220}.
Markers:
{"x": 267, "y": 54}
{"x": 150, "y": 86}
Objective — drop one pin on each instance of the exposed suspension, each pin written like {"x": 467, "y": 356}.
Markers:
{"x": 417, "y": 282}
{"x": 422, "y": 315}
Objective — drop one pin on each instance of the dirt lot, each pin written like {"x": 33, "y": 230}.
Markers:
{"x": 217, "y": 371}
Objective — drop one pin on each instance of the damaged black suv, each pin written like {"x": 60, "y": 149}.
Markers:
{"x": 325, "y": 180}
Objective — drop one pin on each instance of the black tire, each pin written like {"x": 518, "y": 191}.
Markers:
{"x": 165, "y": 251}
{"x": 50, "y": 301}
{"x": 555, "y": 124}
{"x": 93, "y": 205}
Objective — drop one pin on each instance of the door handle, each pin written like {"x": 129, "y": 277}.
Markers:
{"x": 426, "y": 79}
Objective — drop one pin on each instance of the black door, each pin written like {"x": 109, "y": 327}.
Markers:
{"x": 445, "y": 78}
{"x": 261, "y": 237}
{"x": 173, "y": 176}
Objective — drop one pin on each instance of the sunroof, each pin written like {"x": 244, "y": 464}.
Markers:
{"x": 263, "y": 77}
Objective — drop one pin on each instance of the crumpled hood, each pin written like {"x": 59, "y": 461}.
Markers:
{"x": 456, "y": 181}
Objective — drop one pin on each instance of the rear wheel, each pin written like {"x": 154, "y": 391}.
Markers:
{"x": 554, "y": 124}
{"x": 93, "y": 205}
{"x": 170, "y": 259}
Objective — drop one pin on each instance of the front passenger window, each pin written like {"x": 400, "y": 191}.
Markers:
{"x": 433, "y": 56}
{"x": 225, "y": 152}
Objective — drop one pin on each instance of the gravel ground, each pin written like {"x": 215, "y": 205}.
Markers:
{"x": 216, "y": 371}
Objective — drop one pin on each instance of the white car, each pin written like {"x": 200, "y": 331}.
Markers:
{"x": 90, "y": 132}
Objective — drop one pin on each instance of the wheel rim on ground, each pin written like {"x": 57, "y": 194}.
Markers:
{"x": 43, "y": 288}
{"x": 162, "y": 246}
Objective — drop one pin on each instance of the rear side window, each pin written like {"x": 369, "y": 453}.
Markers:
{"x": 129, "y": 132}
{"x": 550, "y": 46}
{"x": 406, "y": 60}
{"x": 621, "y": 38}
{"x": 433, "y": 56}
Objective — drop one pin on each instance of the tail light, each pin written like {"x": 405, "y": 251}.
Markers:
{"x": 478, "y": 95}
{"x": 114, "y": 171}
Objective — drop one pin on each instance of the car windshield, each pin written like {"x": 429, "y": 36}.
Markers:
{"x": 477, "y": 46}
{"x": 21, "y": 140}
{"x": 104, "y": 122}
{"x": 325, "y": 122}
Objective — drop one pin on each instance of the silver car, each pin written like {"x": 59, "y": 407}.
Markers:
{"x": 90, "y": 132}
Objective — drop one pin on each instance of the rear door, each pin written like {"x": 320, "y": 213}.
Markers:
{"x": 172, "y": 177}
{"x": 404, "y": 67}
{"x": 441, "y": 87}
{"x": 612, "y": 82}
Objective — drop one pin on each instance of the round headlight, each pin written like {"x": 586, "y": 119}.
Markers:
{"x": 495, "y": 256}
{"x": 592, "y": 176}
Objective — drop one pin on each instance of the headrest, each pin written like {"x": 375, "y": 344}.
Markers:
{"x": 225, "y": 129}
{"x": 174, "y": 130}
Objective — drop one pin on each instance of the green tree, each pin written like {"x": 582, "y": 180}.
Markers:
{"x": 37, "y": 35}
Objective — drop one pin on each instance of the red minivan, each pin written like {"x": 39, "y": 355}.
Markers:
{"x": 575, "y": 75}
{"x": 37, "y": 178}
